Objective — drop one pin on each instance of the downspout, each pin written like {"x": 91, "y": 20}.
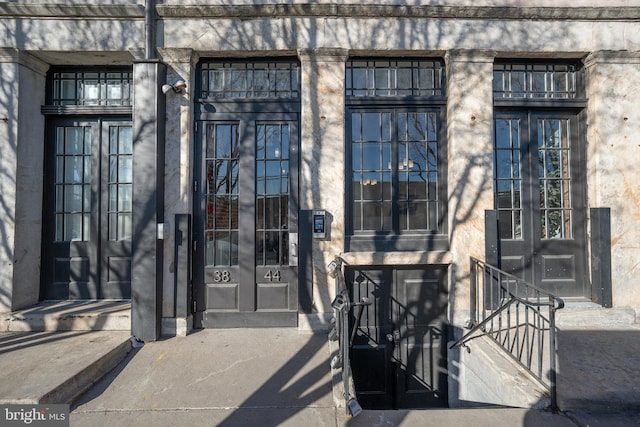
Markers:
{"x": 150, "y": 29}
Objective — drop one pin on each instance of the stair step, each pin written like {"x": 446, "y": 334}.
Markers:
{"x": 594, "y": 316}
{"x": 84, "y": 315}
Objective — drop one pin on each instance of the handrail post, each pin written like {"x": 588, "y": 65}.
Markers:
{"x": 552, "y": 358}
{"x": 473, "y": 292}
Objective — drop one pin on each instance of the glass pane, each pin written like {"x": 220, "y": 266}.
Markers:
{"x": 74, "y": 140}
{"x": 125, "y": 201}
{"x": 371, "y": 125}
{"x": 87, "y": 169}
{"x": 124, "y": 226}
{"x": 73, "y": 198}
{"x": 357, "y": 216}
{"x": 223, "y": 141}
{"x": 59, "y": 237}
{"x": 233, "y": 255}
{"x": 222, "y": 214}
{"x": 73, "y": 169}
{"x": 372, "y": 187}
{"x": 234, "y": 209}
{"x": 222, "y": 247}
{"x": 371, "y": 157}
{"x": 357, "y": 183}
{"x": 113, "y": 198}
{"x": 371, "y": 216}
{"x": 125, "y": 169}
{"x": 59, "y": 169}
{"x": 417, "y": 214}
{"x": 272, "y": 177}
{"x": 272, "y": 248}
{"x": 126, "y": 140}
{"x": 113, "y": 168}
{"x": 68, "y": 89}
{"x": 72, "y": 227}
{"x": 272, "y": 212}
{"x": 60, "y": 140}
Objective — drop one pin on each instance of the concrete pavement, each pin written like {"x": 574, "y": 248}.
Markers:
{"x": 238, "y": 377}
{"x": 261, "y": 377}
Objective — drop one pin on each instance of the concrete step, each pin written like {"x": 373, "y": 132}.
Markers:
{"x": 56, "y": 367}
{"x": 587, "y": 314}
{"x": 83, "y": 315}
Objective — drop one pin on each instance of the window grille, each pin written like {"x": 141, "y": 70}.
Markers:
{"x": 534, "y": 81}
{"x": 366, "y": 77}
{"x": 250, "y": 80}
{"x": 91, "y": 88}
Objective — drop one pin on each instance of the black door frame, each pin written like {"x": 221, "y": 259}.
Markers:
{"x": 526, "y": 257}
{"x": 247, "y": 314}
{"x": 96, "y": 249}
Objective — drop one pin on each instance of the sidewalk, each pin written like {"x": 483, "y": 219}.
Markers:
{"x": 233, "y": 377}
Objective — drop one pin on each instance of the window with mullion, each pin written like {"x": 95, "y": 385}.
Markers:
{"x": 371, "y": 173}
{"x": 394, "y": 170}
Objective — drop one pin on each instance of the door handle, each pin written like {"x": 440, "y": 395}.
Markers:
{"x": 293, "y": 249}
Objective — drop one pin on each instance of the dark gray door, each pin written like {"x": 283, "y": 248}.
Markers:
{"x": 399, "y": 357}
{"x": 246, "y": 268}
{"x": 539, "y": 194}
{"x": 88, "y": 208}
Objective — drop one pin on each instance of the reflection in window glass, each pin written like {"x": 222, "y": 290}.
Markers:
{"x": 507, "y": 182}
{"x": 554, "y": 167}
{"x": 72, "y": 183}
{"x": 120, "y": 183}
{"x": 221, "y": 194}
{"x": 272, "y": 194}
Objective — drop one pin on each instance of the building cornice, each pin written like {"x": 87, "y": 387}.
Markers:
{"x": 280, "y": 10}
{"x": 396, "y": 11}
{"x": 12, "y": 55}
{"x": 85, "y": 11}
{"x": 612, "y": 57}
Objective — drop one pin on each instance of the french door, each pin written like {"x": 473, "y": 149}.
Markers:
{"x": 398, "y": 356}
{"x": 539, "y": 194}
{"x": 246, "y": 269}
{"x": 88, "y": 210}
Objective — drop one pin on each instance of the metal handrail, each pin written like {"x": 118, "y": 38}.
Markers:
{"x": 342, "y": 306}
{"x": 518, "y": 316}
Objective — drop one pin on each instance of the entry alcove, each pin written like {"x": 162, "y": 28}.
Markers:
{"x": 399, "y": 356}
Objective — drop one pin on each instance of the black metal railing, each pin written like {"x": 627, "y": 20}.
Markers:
{"x": 342, "y": 306}
{"x": 516, "y": 315}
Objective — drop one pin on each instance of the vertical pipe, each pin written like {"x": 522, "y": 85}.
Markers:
{"x": 149, "y": 29}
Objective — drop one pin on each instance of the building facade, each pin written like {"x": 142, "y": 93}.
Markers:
{"x": 208, "y": 160}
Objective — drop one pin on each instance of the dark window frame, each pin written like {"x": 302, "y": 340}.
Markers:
{"x": 574, "y": 106}
{"x": 396, "y": 239}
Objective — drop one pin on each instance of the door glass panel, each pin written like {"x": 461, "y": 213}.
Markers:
{"x": 554, "y": 172}
{"x": 221, "y": 195}
{"x": 120, "y": 183}
{"x": 272, "y": 194}
{"x": 72, "y": 183}
{"x": 507, "y": 178}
